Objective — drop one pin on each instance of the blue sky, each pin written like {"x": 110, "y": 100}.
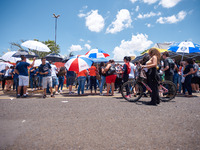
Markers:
{"x": 120, "y": 27}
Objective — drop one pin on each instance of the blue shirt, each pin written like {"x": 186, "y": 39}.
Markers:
{"x": 45, "y": 68}
{"x": 32, "y": 73}
{"x": 22, "y": 68}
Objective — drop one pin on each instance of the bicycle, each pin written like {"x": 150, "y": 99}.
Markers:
{"x": 132, "y": 91}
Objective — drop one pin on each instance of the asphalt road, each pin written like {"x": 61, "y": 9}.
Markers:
{"x": 98, "y": 123}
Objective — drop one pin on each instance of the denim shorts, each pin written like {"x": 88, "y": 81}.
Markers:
{"x": 55, "y": 80}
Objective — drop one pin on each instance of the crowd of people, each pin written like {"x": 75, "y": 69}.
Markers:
{"x": 106, "y": 76}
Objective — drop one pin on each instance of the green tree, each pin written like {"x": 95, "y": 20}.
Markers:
{"x": 50, "y": 43}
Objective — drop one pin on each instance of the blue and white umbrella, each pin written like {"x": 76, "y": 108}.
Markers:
{"x": 185, "y": 47}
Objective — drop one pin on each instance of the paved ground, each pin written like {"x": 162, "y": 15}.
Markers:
{"x": 98, "y": 123}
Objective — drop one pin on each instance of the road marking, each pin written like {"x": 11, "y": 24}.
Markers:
{"x": 64, "y": 101}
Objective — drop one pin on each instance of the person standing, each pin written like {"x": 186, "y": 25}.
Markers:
{"x": 187, "y": 73}
{"x": 93, "y": 81}
{"x": 71, "y": 76}
{"x": 81, "y": 81}
{"x": 110, "y": 76}
{"x": 196, "y": 77}
{"x": 152, "y": 75}
{"x": 8, "y": 78}
{"x": 45, "y": 71}
{"x": 169, "y": 66}
{"x": 61, "y": 78}
{"x": 103, "y": 76}
{"x": 22, "y": 70}
{"x": 54, "y": 71}
{"x": 33, "y": 77}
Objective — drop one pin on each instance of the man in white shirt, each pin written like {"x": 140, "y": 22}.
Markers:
{"x": 54, "y": 72}
{"x": 132, "y": 73}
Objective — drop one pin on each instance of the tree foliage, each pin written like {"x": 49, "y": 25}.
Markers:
{"x": 50, "y": 43}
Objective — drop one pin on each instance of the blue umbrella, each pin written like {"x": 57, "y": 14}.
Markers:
{"x": 98, "y": 60}
{"x": 185, "y": 48}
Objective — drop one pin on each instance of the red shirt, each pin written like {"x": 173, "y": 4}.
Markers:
{"x": 92, "y": 71}
{"x": 82, "y": 73}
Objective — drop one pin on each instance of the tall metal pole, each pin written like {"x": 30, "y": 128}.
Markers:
{"x": 56, "y": 17}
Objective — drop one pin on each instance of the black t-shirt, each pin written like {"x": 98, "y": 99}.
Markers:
{"x": 187, "y": 68}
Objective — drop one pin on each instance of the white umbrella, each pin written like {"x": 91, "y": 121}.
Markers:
{"x": 35, "y": 45}
{"x": 3, "y": 65}
{"x": 8, "y": 57}
{"x": 38, "y": 62}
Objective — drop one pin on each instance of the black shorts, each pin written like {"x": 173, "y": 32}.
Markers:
{"x": 195, "y": 80}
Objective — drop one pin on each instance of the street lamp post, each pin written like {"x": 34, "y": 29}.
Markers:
{"x": 56, "y": 17}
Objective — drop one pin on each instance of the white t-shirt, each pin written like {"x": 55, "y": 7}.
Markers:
{"x": 132, "y": 75}
{"x": 53, "y": 70}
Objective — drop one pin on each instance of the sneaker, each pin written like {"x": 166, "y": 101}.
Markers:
{"x": 52, "y": 96}
{"x": 101, "y": 94}
{"x": 18, "y": 96}
{"x": 24, "y": 96}
{"x": 32, "y": 90}
{"x": 127, "y": 96}
{"x": 56, "y": 93}
{"x": 44, "y": 96}
{"x": 60, "y": 91}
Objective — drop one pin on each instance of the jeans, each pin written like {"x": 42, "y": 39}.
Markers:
{"x": 61, "y": 82}
{"x": 175, "y": 79}
{"x": 180, "y": 84}
{"x": 40, "y": 81}
{"x": 32, "y": 82}
{"x": 81, "y": 84}
{"x": 16, "y": 82}
{"x": 88, "y": 82}
{"x": 103, "y": 80}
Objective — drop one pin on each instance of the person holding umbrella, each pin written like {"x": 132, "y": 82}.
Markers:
{"x": 22, "y": 70}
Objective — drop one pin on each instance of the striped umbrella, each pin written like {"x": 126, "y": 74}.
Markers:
{"x": 78, "y": 63}
{"x": 96, "y": 53}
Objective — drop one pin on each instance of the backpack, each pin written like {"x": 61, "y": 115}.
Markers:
{"x": 171, "y": 65}
{"x": 111, "y": 70}
{"x": 128, "y": 68}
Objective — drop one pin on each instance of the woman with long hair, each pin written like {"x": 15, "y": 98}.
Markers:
{"x": 103, "y": 76}
{"x": 152, "y": 75}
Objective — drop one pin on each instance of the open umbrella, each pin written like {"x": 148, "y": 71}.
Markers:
{"x": 35, "y": 45}
{"x": 96, "y": 53}
{"x": 26, "y": 53}
{"x": 185, "y": 48}
{"x": 8, "y": 57}
{"x": 96, "y": 60}
{"x": 38, "y": 62}
{"x": 3, "y": 65}
{"x": 54, "y": 57}
{"x": 78, "y": 63}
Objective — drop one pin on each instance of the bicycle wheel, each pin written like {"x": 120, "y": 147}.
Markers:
{"x": 131, "y": 91}
{"x": 167, "y": 91}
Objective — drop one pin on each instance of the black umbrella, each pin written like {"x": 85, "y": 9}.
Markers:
{"x": 26, "y": 53}
{"x": 54, "y": 57}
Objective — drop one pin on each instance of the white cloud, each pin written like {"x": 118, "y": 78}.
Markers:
{"x": 148, "y": 25}
{"x": 87, "y": 46}
{"x": 148, "y": 15}
{"x": 123, "y": 20}
{"x": 137, "y": 8}
{"x": 169, "y": 3}
{"x": 138, "y": 43}
{"x": 172, "y": 19}
{"x": 150, "y": 1}
{"x": 94, "y": 21}
{"x": 81, "y": 15}
{"x": 133, "y": 1}
{"x": 75, "y": 48}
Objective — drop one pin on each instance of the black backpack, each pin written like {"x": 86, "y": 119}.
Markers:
{"x": 171, "y": 65}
